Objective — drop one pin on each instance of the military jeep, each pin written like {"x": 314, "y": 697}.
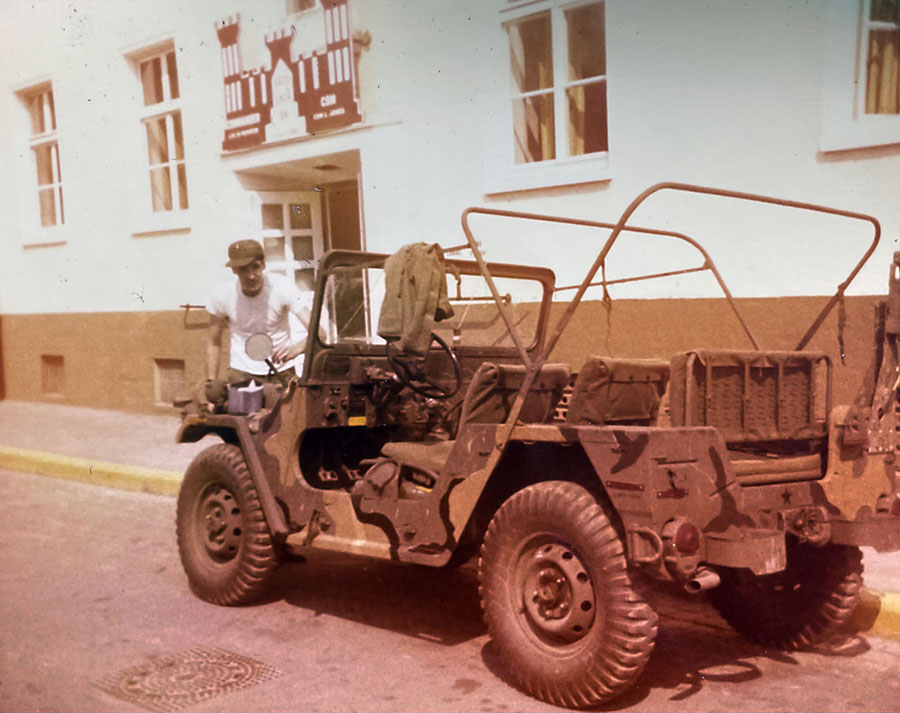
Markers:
{"x": 428, "y": 427}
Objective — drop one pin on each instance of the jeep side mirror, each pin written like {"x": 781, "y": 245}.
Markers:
{"x": 259, "y": 347}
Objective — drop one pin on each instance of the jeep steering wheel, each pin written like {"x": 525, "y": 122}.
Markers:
{"x": 411, "y": 371}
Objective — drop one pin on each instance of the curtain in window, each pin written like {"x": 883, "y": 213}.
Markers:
{"x": 883, "y": 66}
{"x": 531, "y": 60}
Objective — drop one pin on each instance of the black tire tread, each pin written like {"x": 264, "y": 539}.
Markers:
{"x": 244, "y": 578}
{"x": 620, "y": 651}
{"x": 831, "y": 583}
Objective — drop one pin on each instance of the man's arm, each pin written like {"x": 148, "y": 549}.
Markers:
{"x": 214, "y": 345}
{"x": 292, "y": 351}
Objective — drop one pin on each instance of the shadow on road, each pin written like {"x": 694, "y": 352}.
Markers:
{"x": 693, "y": 646}
{"x": 683, "y": 660}
{"x": 439, "y": 605}
{"x": 688, "y": 657}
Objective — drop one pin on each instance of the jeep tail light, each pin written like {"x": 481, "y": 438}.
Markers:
{"x": 687, "y": 538}
{"x": 889, "y": 504}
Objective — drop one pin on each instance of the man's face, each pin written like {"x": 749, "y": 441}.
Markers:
{"x": 251, "y": 277}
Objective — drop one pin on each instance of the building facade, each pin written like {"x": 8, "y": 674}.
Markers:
{"x": 141, "y": 139}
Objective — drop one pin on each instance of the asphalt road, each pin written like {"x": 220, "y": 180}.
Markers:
{"x": 91, "y": 585}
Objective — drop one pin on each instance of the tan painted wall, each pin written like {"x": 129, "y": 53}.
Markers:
{"x": 109, "y": 357}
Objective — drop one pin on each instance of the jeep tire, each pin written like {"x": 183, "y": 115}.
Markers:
{"x": 225, "y": 545}
{"x": 799, "y": 607}
{"x": 558, "y": 598}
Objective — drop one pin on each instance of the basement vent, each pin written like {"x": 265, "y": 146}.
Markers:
{"x": 53, "y": 375}
{"x": 169, "y": 380}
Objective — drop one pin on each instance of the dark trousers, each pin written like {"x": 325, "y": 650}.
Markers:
{"x": 236, "y": 376}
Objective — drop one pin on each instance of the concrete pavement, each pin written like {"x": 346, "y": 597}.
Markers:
{"x": 97, "y": 616}
{"x": 137, "y": 451}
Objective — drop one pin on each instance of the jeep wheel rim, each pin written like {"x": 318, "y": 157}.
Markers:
{"x": 219, "y": 522}
{"x": 558, "y": 602}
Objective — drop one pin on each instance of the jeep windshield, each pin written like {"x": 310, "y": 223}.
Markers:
{"x": 354, "y": 290}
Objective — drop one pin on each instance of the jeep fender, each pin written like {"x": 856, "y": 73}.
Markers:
{"x": 234, "y": 429}
{"x": 650, "y": 476}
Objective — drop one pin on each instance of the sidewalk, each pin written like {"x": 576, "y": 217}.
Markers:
{"x": 136, "y": 451}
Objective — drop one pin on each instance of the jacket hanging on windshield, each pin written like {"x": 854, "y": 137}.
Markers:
{"x": 415, "y": 297}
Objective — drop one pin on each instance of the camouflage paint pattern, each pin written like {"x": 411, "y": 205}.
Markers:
{"x": 316, "y": 462}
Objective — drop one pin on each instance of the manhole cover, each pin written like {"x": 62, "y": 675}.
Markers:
{"x": 167, "y": 683}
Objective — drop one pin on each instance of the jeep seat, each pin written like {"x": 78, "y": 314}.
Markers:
{"x": 489, "y": 399}
{"x": 618, "y": 391}
{"x": 429, "y": 456}
{"x": 493, "y": 389}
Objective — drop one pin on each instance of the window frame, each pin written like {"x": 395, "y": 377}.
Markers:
{"x": 167, "y": 109}
{"x": 868, "y": 25}
{"x": 563, "y": 169}
{"x": 290, "y": 13}
{"x": 149, "y": 222}
{"x": 34, "y": 229}
{"x": 845, "y": 124}
{"x": 291, "y": 264}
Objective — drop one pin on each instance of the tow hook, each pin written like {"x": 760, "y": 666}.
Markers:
{"x": 703, "y": 578}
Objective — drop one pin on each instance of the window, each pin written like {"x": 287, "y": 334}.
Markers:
{"x": 861, "y": 77}
{"x": 162, "y": 122}
{"x": 294, "y": 6}
{"x": 45, "y": 149}
{"x": 558, "y": 71}
{"x": 291, "y": 234}
{"x": 882, "y": 30}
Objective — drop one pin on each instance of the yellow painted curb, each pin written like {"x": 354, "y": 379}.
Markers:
{"x": 878, "y": 613}
{"x": 113, "y": 475}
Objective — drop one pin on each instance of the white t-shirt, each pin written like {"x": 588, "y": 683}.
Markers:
{"x": 266, "y": 312}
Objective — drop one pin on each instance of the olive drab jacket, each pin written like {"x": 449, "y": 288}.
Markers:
{"x": 415, "y": 297}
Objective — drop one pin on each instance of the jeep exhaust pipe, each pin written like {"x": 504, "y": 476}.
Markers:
{"x": 704, "y": 578}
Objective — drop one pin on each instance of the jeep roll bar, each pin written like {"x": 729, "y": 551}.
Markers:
{"x": 621, "y": 226}
{"x": 533, "y": 366}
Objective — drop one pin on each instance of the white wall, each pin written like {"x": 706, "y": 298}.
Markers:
{"x": 725, "y": 94}
{"x": 718, "y": 93}
{"x": 107, "y": 261}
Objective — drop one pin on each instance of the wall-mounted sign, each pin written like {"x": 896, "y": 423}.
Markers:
{"x": 296, "y": 94}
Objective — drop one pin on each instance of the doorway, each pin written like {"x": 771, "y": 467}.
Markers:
{"x": 298, "y": 227}
{"x": 343, "y": 216}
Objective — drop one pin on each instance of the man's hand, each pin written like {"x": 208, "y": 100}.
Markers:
{"x": 216, "y": 391}
{"x": 286, "y": 353}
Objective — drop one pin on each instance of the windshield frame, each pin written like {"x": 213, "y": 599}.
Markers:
{"x": 338, "y": 259}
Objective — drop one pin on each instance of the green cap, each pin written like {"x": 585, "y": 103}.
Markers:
{"x": 243, "y": 252}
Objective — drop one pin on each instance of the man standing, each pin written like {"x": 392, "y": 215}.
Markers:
{"x": 256, "y": 302}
